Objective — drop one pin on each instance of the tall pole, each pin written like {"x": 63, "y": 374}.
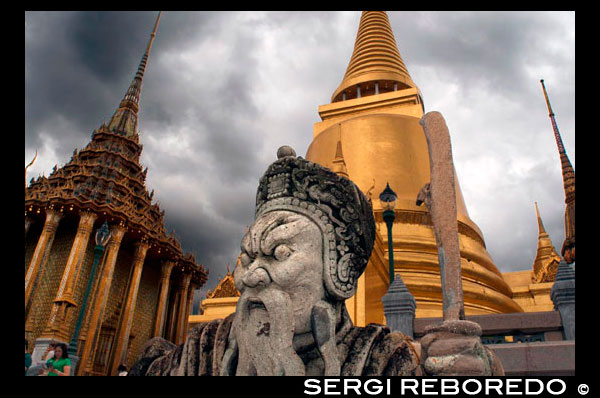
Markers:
{"x": 389, "y": 217}
{"x": 98, "y": 251}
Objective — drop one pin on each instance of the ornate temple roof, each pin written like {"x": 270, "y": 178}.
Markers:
{"x": 375, "y": 58}
{"x": 225, "y": 288}
{"x": 547, "y": 259}
{"x": 107, "y": 178}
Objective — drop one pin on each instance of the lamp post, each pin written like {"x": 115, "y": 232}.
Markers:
{"x": 102, "y": 237}
{"x": 399, "y": 305}
{"x": 388, "y": 202}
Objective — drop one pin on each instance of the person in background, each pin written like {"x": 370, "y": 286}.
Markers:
{"x": 60, "y": 364}
{"x": 27, "y": 357}
{"x": 122, "y": 370}
{"x": 49, "y": 353}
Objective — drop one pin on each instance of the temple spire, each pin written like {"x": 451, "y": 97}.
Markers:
{"x": 568, "y": 173}
{"x": 541, "y": 228}
{"x": 376, "y": 66}
{"x": 339, "y": 164}
{"x": 125, "y": 119}
{"x": 546, "y": 259}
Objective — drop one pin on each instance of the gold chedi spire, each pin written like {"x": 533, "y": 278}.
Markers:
{"x": 125, "y": 119}
{"x": 547, "y": 259}
{"x": 568, "y": 248}
{"x": 339, "y": 165}
{"x": 376, "y": 66}
{"x": 384, "y": 142}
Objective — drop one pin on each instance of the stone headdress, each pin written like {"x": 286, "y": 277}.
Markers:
{"x": 334, "y": 203}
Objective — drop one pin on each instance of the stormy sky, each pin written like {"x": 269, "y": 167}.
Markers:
{"x": 223, "y": 90}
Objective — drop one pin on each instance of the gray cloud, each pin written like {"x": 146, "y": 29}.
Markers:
{"x": 223, "y": 90}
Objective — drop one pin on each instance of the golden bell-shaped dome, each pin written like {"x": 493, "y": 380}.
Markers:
{"x": 375, "y": 59}
{"x": 375, "y": 115}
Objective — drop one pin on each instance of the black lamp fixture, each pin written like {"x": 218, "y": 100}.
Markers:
{"x": 387, "y": 199}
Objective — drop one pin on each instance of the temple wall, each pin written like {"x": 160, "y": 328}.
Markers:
{"x": 82, "y": 281}
{"x": 145, "y": 311}
{"x": 119, "y": 283}
{"x": 533, "y": 297}
{"x": 49, "y": 279}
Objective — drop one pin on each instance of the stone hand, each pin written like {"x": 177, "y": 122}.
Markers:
{"x": 454, "y": 348}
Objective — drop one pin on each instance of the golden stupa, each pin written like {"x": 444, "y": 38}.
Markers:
{"x": 370, "y": 133}
{"x": 375, "y": 114}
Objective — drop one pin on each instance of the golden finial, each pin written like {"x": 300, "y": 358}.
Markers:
{"x": 153, "y": 34}
{"x": 375, "y": 58}
{"x": 125, "y": 119}
{"x": 541, "y": 228}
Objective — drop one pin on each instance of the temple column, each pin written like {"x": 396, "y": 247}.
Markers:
{"x": 122, "y": 336}
{"x": 188, "y": 309}
{"x": 183, "y": 287}
{"x": 165, "y": 276}
{"x": 42, "y": 250}
{"x": 101, "y": 299}
{"x": 58, "y": 325}
{"x": 172, "y": 321}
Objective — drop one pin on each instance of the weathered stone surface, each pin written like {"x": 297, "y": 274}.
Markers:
{"x": 461, "y": 344}
{"x": 455, "y": 326}
{"x": 394, "y": 355}
{"x": 455, "y": 348}
{"x": 152, "y": 349}
{"x": 549, "y": 358}
{"x": 563, "y": 297}
{"x": 456, "y": 365}
{"x": 439, "y": 195}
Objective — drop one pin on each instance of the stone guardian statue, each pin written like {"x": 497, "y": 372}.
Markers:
{"x": 301, "y": 259}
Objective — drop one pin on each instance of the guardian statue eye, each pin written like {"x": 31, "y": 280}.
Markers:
{"x": 245, "y": 259}
{"x": 282, "y": 252}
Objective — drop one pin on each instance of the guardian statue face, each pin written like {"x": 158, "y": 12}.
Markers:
{"x": 282, "y": 251}
{"x": 301, "y": 258}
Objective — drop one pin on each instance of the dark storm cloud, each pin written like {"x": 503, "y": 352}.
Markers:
{"x": 223, "y": 90}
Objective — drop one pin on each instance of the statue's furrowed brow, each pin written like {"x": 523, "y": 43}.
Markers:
{"x": 281, "y": 233}
{"x": 247, "y": 245}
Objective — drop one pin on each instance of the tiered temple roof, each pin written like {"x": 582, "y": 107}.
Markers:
{"x": 107, "y": 178}
{"x": 375, "y": 59}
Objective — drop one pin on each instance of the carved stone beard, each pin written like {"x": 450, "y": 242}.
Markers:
{"x": 264, "y": 333}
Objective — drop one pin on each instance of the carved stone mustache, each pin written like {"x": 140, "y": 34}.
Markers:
{"x": 277, "y": 325}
